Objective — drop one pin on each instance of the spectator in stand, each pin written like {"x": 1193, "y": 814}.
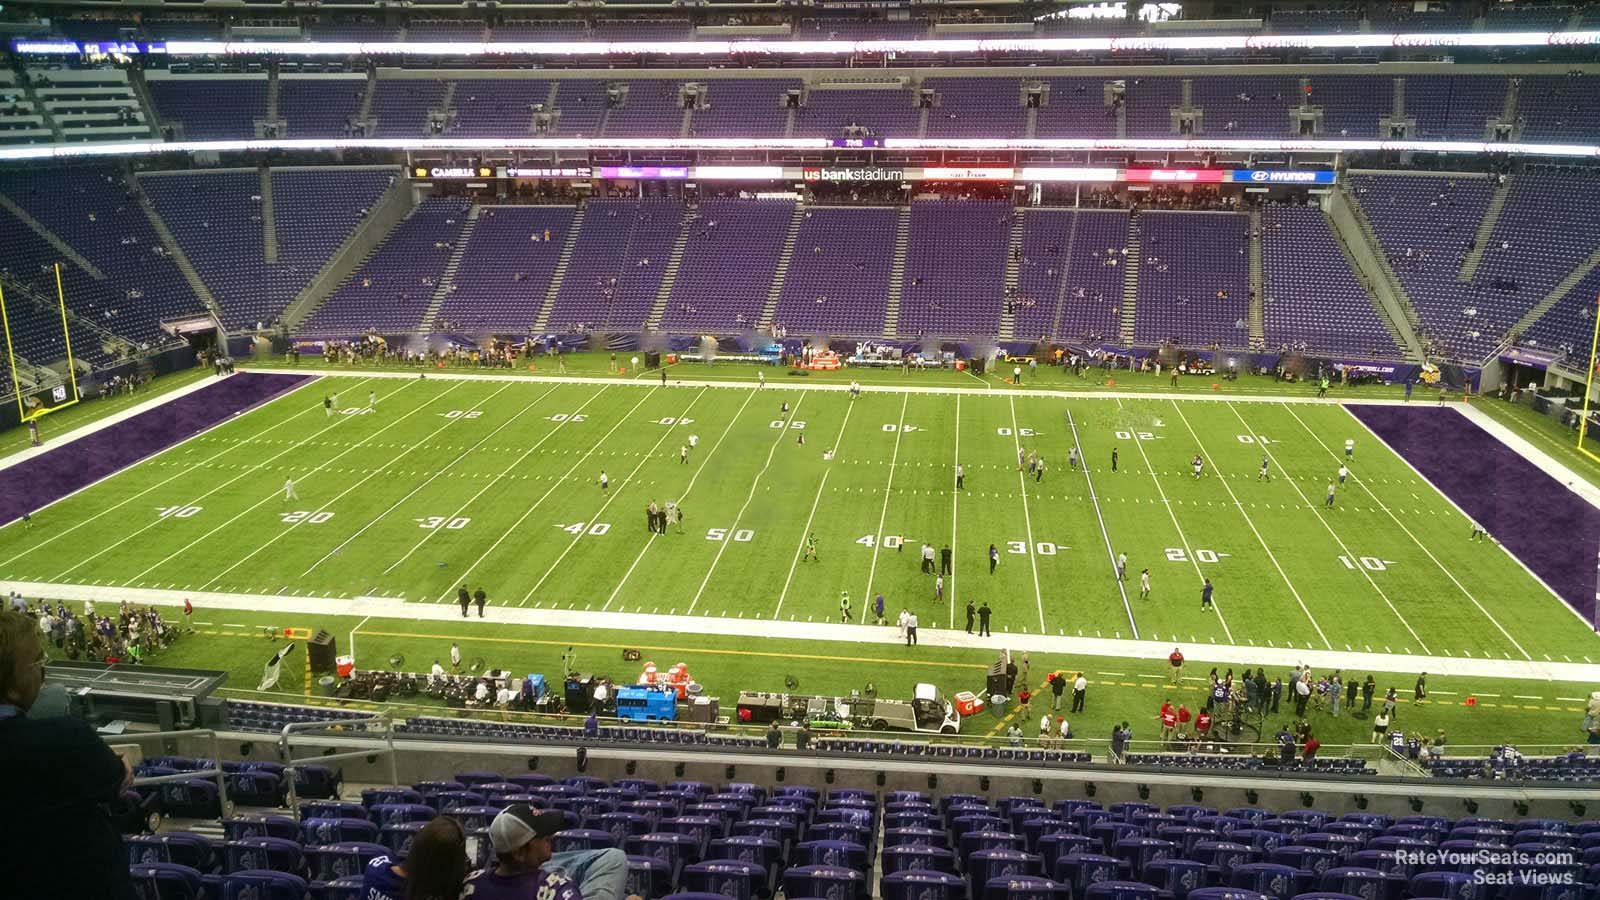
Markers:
{"x": 58, "y": 836}
{"x": 434, "y": 869}
{"x": 529, "y": 867}
{"x": 1308, "y": 751}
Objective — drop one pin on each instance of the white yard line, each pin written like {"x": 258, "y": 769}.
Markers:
{"x": 1483, "y": 419}
{"x": 477, "y": 404}
{"x": 955, "y": 503}
{"x": 335, "y": 423}
{"x": 1183, "y": 539}
{"x": 757, "y": 629}
{"x": 611, "y": 496}
{"x": 1332, "y": 532}
{"x": 1027, "y": 520}
{"x": 1253, "y": 530}
{"x": 695, "y": 476}
{"x": 728, "y": 538}
{"x": 811, "y": 517}
{"x": 1105, "y": 533}
{"x": 176, "y": 475}
{"x": 1414, "y": 539}
{"x": 447, "y": 595}
{"x": 883, "y": 515}
{"x": 277, "y": 493}
{"x": 428, "y": 535}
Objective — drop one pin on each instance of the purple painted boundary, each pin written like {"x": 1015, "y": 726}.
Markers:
{"x": 1553, "y": 531}
{"x": 46, "y": 478}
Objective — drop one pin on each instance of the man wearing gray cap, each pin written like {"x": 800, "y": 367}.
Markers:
{"x": 528, "y": 868}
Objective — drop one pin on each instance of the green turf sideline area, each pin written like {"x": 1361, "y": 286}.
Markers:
{"x": 494, "y": 482}
{"x": 1531, "y": 712}
{"x": 1545, "y": 433}
{"x": 94, "y": 409}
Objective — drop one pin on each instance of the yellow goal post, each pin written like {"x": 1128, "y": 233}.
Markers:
{"x": 43, "y": 399}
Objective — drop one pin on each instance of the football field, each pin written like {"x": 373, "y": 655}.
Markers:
{"x": 497, "y": 483}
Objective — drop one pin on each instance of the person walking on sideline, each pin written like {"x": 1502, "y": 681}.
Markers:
{"x": 911, "y": 629}
{"x": 983, "y": 619}
{"x": 972, "y": 613}
{"x": 479, "y": 598}
{"x": 465, "y": 599}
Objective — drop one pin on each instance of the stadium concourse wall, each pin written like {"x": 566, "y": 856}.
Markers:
{"x": 431, "y": 760}
{"x": 1391, "y": 371}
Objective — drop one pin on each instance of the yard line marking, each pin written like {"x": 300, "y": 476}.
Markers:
{"x": 612, "y": 496}
{"x": 728, "y": 538}
{"x": 260, "y": 465}
{"x": 1027, "y": 521}
{"x": 268, "y": 498}
{"x": 1111, "y": 555}
{"x": 428, "y": 535}
{"x": 447, "y": 595}
{"x": 1424, "y": 547}
{"x": 1333, "y": 533}
{"x": 443, "y": 470}
{"x": 955, "y": 503}
{"x": 231, "y": 445}
{"x": 700, "y": 467}
{"x": 810, "y": 517}
{"x": 1253, "y": 530}
{"x": 877, "y": 543}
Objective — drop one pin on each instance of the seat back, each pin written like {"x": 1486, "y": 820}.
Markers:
{"x": 263, "y": 885}
{"x": 166, "y": 881}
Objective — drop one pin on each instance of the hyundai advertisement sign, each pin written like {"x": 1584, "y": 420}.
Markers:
{"x": 1282, "y": 176}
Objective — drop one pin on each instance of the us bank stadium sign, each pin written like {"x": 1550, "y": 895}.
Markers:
{"x": 838, "y": 173}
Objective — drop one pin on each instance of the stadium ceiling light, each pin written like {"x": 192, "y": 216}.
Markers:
{"x": 492, "y": 145}
{"x": 928, "y": 46}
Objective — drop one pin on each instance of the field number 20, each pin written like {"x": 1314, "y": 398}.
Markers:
{"x": 1177, "y": 554}
{"x": 301, "y": 515}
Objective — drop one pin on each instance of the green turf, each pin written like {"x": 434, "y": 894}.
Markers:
{"x": 94, "y": 409}
{"x": 1533, "y": 712}
{"x": 495, "y": 484}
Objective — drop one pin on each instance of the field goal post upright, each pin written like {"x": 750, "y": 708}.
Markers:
{"x": 59, "y": 396}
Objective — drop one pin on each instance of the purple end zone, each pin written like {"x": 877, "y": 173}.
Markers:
{"x": 1553, "y": 531}
{"x": 50, "y": 476}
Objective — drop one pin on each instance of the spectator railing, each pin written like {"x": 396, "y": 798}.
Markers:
{"x": 215, "y": 759}
{"x": 385, "y": 733}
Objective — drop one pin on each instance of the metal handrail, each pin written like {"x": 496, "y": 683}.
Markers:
{"x": 215, "y": 758}
{"x": 291, "y": 765}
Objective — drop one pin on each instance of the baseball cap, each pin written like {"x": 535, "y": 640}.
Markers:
{"x": 519, "y": 823}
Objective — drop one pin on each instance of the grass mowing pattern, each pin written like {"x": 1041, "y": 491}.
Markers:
{"x": 496, "y": 483}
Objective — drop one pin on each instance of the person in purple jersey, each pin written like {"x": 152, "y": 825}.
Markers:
{"x": 434, "y": 869}
{"x": 528, "y": 868}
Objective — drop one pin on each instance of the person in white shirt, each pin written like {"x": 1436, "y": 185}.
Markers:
{"x": 1144, "y": 585}
{"x": 1349, "y": 448}
{"x": 1065, "y": 730}
{"x": 455, "y": 656}
{"x": 288, "y": 490}
{"x": 1122, "y": 567}
{"x": 1343, "y": 472}
{"x": 481, "y": 694}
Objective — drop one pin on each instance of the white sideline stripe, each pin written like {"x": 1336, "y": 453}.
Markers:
{"x": 1332, "y": 532}
{"x": 1253, "y": 530}
{"x": 1414, "y": 539}
{"x": 1483, "y": 420}
{"x": 1027, "y": 521}
{"x": 727, "y": 539}
{"x": 552, "y": 488}
{"x": 500, "y": 616}
{"x": 106, "y": 423}
{"x": 666, "y": 432}
{"x": 955, "y": 504}
{"x": 429, "y": 534}
{"x": 1111, "y": 554}
{"x": 815, "y": 502}
{"x": 1183, "y": 539}
{"x": 698, "y": 468}
{"x": 335, "y": 423}
{"x": 236, "y": 516}
{"x": 123, "y": 415}
{"x": 476, "y": 405}
{"x": 883, "y": 514}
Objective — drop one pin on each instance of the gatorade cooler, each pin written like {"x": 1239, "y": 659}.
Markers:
{"x": 344, "y": 666}
{"x": 967, "y": 703}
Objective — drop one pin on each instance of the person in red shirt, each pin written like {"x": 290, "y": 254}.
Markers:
{"x": 1183, "y": 715}
{"x": 1202, "y": 725}
{"x": 1169, "y": 720}
{"x": 1312, "y": 745}
{"x": 1176, "y": 659}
